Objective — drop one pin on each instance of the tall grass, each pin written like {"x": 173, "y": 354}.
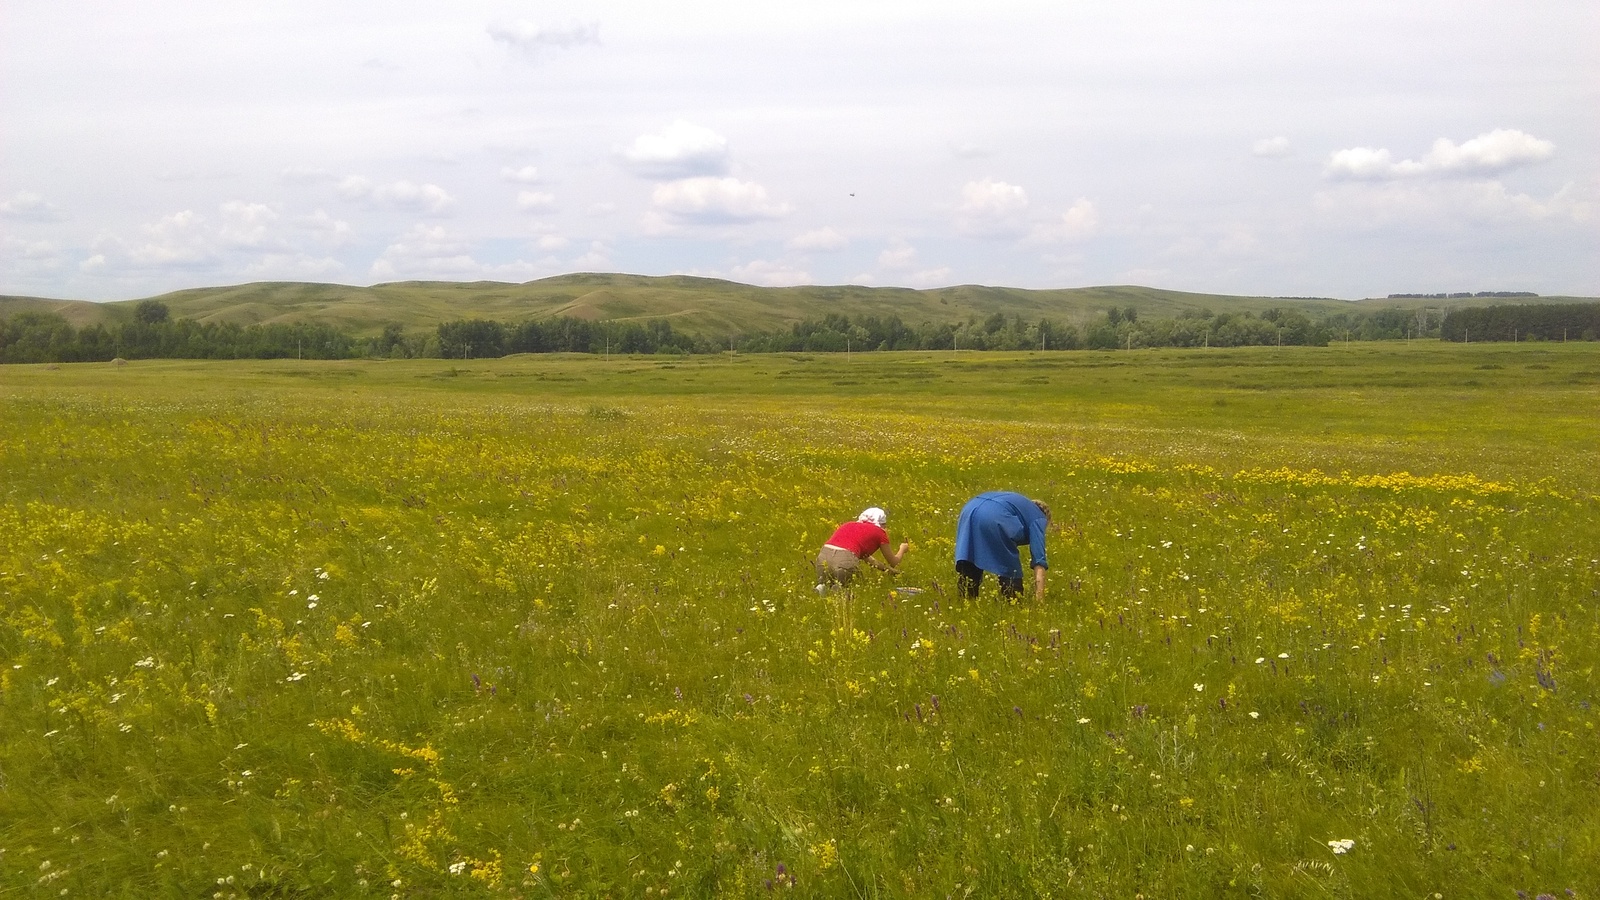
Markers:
{"x": 546, "y": 627}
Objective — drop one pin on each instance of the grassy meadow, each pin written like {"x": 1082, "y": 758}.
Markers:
{"x": 1320, "y": 622}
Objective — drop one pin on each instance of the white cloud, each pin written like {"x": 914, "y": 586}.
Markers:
{"x": 29, "y": 206}
{"x": 937, "y": 277}
{"x": 252, "y": 240}
{"x": 716, "y": 201}
{"x": 426, "y": 251}
{"x": 33, "y": 250}
{"x": 179, "y": 239}
{"x": 1271, "y": 147}
{"x": 680, "y": 150}
{"x": 770, "y": 274}
{"x": 426, "y": 198}
{"x": 1080, "y": 221}
{"x": 294, "y": 267}
{"x": 354, "y": 187}
{"x": 901, "y": 258}
{"x": 1444, "y": 205}
{"x": 548, "y": 237}
{"x": 1487, "y": 154}
{"x": 429, "y": 197}
{"x": 535, "y": 201}
{"x": 992, "y": 208}
{"x": 520, "y": 175}
{"x": 898, "y": 255}
{"x": 1361, "y": 162}
{"x": 1496, "y": 151}
{"x": 29, "y": 260}
{"x": 325, "y": 229}
{"x": 596, "y": 260}
{"x": 818, "y": 239}
{"x": 531, "y": 38}
{"x": 246, "y": 224}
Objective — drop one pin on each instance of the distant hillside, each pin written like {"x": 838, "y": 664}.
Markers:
{"x": 77, "y": 312}
{"x": 694, "y": 305}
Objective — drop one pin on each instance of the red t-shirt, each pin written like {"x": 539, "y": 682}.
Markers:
{"x": 861, "y": 538}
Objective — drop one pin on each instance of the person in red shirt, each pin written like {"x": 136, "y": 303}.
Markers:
{"x": 853, "y": 542}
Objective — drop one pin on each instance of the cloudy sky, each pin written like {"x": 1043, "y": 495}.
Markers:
{"x": 1348, "y": 149}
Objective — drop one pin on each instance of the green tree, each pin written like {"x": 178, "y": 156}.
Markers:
{"x": 151, "y": 312}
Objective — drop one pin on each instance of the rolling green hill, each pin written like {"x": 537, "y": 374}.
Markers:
{"x": 694, "y": 305}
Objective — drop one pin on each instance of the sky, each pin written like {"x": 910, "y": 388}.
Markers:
{"x": 1333, "y": 149}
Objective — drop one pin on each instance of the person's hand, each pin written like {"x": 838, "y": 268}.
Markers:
{"x": 892, "y": 570}
{"x": 904, "y": 548}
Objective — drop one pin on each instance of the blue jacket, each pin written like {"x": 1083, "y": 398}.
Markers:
{"x": 991, "y": 528}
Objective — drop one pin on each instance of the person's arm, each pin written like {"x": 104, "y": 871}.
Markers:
{"x": 893, "y": 559}
{"x": 1036, "y": 535}
{"x": 1038, "y": 583}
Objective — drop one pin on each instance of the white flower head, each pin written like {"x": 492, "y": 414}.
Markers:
{"x": 1341, "y": 847}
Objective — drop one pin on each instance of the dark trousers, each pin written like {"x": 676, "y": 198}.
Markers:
{"x": 969, "y": 578}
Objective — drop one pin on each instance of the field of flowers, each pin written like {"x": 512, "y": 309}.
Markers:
{"x": 1320, "y": 622}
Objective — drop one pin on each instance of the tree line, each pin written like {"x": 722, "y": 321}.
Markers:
{"x": 31, "y": 337}
{"x": 1540, "y": 322}
{"x": 1462, "y": 294}
{"x": 154, "y": 334}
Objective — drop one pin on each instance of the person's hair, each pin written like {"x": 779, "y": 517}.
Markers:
{"x": 1044, "y": 508}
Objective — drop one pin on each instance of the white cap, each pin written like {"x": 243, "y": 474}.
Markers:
{"x": 874, "y": 515}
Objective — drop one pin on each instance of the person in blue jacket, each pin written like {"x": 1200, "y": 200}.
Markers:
{"x": 992, "y": 527}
